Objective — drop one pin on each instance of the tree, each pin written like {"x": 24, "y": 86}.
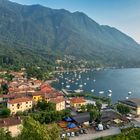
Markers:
{"x": 5, "y": 135}
{"x": 4, "y": 88}
{"x": 98, "y": 105}
{"x": 123, "y": 109}
{"x": 5, "y": 112}
{"x": 44, "y": 105}
{"x": 83, "y": 108}
{"x": 94, "y": 114}
{"x": 33, "y": 130}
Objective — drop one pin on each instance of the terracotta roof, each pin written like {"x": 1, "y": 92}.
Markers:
{"x": 57, "y": 100}
{"x": 10, "y": 121}
{"x": 53, "y": 95}
{"x": 78, "y": 100}
{"x": 36, "y": 93}
{"x": 19, "y": 100}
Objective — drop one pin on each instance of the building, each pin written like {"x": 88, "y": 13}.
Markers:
{"x": 82, "y": 118}
{"x": 12, "y": 124}
{"x": 60, "y": 103}
{"x": 36, "y": 96}
{"x": 134, "y": 104}
{"x": 19, "y": 104}
{"x": 77, "y": 102}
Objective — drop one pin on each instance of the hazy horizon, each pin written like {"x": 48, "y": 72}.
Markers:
{"x": 121, "y": 14}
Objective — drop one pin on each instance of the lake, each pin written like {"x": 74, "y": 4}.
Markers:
{"x": 120, "y": 81}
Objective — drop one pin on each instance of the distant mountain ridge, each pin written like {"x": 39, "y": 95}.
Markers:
{"x": 45, "y": 31}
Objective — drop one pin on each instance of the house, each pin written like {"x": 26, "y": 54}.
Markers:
{"x": 19, "y": 104}
{"x": 53, "y": 95}
{"x": 36, "y": 96}
{"x": 77, "y": 102}
{"x": 46, "y": 88}
{"x": 60, "y": 103}
{"x": 11, "y": 124}
{"x": 134, "y": 104}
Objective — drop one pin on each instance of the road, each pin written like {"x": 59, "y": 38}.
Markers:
{"x": 95, "y": 135}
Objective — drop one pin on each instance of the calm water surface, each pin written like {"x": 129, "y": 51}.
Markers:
{"x": 120, "y": 81}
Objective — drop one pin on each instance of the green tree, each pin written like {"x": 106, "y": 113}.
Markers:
{"x": 44, "y": 105}
{"x": 33, "y": 130}
{"x": 4, "y": 135}
{"x": 4, "y": 88}
{"x": 94, "y": 114}
{"x": 5, "y": 112}
{"x": 98, "y": 104}
{"x": 123, "y": 109}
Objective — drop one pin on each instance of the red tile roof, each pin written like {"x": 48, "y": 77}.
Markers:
{"x": 57, "y": 100}
{"x": 19, "y": 100}
{"x": 10, "y": 121}
{"x": 78, "y": 100}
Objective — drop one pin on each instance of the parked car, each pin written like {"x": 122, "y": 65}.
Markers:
{"x": 68, "y": 134}
{"x": 72, "y": 134}
{"x": 85, "y": 131}
{"x": 81, "y": 131}
{"x": 77, "y": 133}
{"x": 63, "y": 136}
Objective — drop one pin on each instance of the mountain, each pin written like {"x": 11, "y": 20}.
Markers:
{"x": 30, "y": 34}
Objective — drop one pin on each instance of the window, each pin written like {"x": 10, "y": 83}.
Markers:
{"x": 13, "y": 105}
{"x": 26, "y": 102}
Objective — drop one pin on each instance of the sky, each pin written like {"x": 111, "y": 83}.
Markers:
{"x": 121, "y": 14}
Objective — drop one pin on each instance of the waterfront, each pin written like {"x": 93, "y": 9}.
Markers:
{"x": 120, "y": 81}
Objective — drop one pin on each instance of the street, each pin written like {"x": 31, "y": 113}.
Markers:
{"x": 93, "y": 135}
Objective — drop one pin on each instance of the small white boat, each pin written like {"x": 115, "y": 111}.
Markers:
{"x": 101, "y": 92}
{"x": 94, "y": 80}
{"x": 110, "y": 94}
{"x": 76, "y": 83}
{"x": 127, "y": 98}
{"x": 67, "y": 86}
{"x": 110, "y": 91}
{"x": 129, "y": 93}
{"x": 85, "y": 83}
{"x": 78, "y": 91}
{"x": 88, "y": 78}
{"x": 80, "y": 86}
{"x": 62, "y": 83}
{"x": 92, "y": 90}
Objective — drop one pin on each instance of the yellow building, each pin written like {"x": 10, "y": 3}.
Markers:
{"x": 12, "y": 125}
{"x": 60, "y": 103}
{"x": 36, "y": 96}
{"x": 77, "y": 102}
{"x": 19, "y": 104}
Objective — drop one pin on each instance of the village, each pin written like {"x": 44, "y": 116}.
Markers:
{"x": 76, "y": 116}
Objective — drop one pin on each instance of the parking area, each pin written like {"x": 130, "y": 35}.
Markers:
{"x": 92, "y": 134}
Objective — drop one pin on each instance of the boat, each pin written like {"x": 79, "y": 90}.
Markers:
{"x": 110, "y": 91}
{"x": 94, "y": 80}
{"x": 92, "y": 90}
{"x": 129, "y": 93}
{"x": 110, "y": 94}
{"x": 78, "y": 91}
{"x": 67, "y": 86}
{"x": 88, "y": 78}
{"x": 85, "y": 83}
{"x": 80, "y": 86}
{"x": 127, "y": 98}
{"x": 101, "y": 92}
